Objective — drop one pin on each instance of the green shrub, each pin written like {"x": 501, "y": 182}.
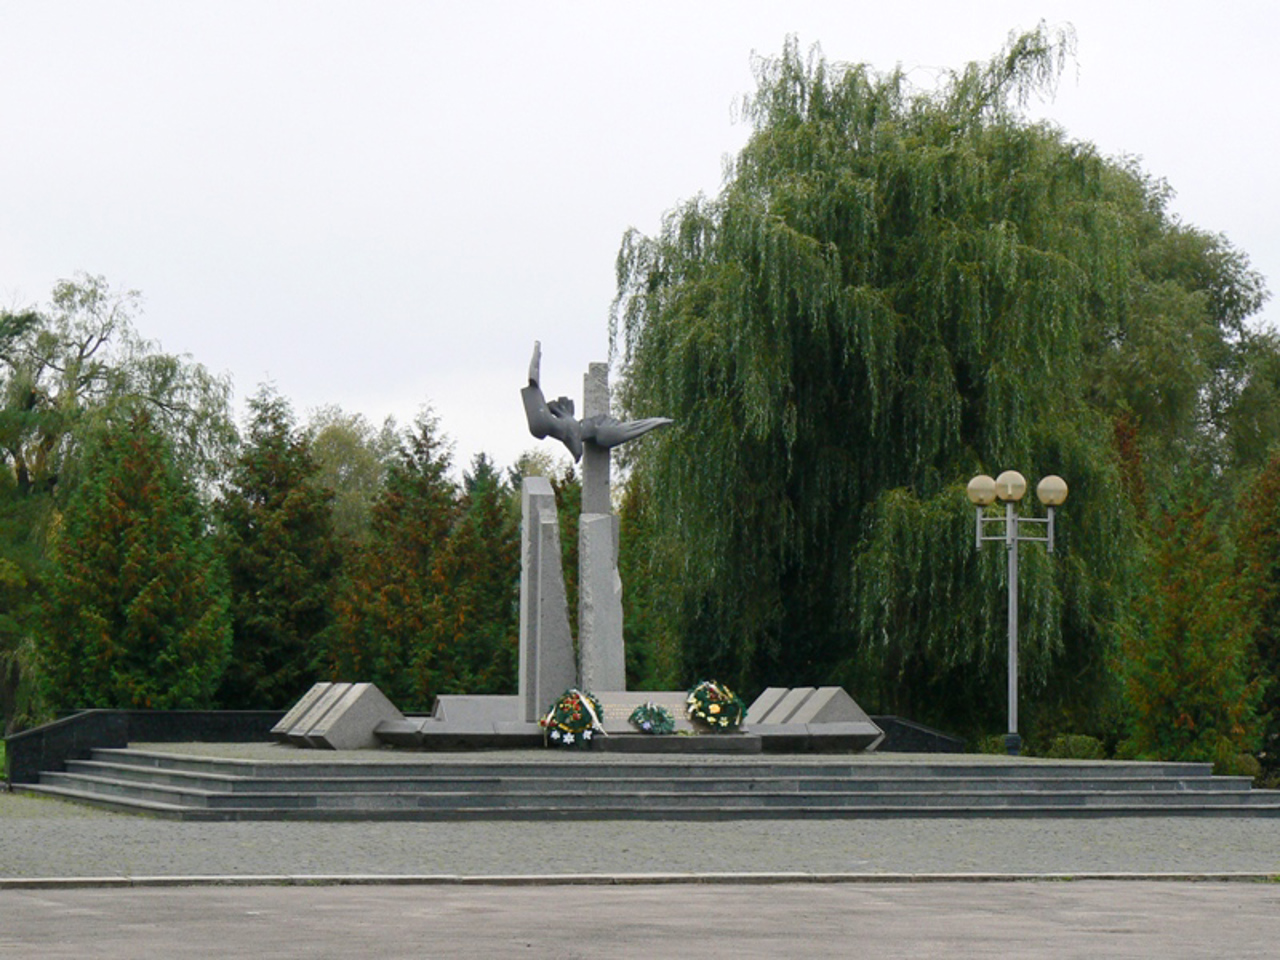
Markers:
{"x": 1074, "y": 746}
{"x": 992, "y": 744}
{"x": 1237, "y": 765}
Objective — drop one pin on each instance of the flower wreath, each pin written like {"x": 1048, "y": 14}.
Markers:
{"x": 715, "y": 706}
{"x": 573, "y": 720}
{"x": 652, "y": 718}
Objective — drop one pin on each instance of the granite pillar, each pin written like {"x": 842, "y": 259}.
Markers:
{"x": 546, "y": 643}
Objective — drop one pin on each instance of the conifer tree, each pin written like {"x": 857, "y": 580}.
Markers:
{"x": 1259, "y": 544}
{"x": 1186, "y": 666}
{"x": 276, "y": 535}
{"x": 383, "y": 610}
{"x": 472, "y": 640}
{"x": 138, "y": 608}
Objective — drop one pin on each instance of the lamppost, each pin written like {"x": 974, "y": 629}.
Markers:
{"x": 1009, "y": 487}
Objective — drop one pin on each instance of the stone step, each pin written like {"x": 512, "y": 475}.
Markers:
{"x": 819, "y": 782}
{"x": 611, "y": 767}
{"x": 631, "y": 811}
{"x": 623, "y": 795}
{"x": 590, "y": 787}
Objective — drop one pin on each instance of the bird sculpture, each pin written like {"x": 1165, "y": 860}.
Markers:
{"x": 555, "y": 418}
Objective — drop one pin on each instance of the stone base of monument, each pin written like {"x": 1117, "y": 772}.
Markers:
{"x": 349, "y": 716}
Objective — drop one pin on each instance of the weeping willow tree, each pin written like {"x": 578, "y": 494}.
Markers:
{"x": 895, "y": 290}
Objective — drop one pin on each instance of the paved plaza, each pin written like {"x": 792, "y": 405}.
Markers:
{"x": 85, "y": 883}
{"x": 1026, "y": 920}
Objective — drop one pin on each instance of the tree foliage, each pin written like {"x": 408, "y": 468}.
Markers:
{"x": 351, "y": 459}
{"x": 383, "y": 610}
{"x": 68, "y": 372}
{"x": 276, "y": 537}
{"x": 1259, "y": 545}
{"x": 895, "y": 290}
{"x": 138, "y": 608}
{"x": 472, "y": 635}
{"x": 1186, "y": 666}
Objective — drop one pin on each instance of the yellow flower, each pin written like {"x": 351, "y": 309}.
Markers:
{"x": 714, "y": 708}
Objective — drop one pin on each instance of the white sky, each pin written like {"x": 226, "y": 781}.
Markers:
{"x": 383, "y": 204}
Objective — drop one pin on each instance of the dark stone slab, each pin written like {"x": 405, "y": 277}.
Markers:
{"x": 906, "y": 736}
{"x": 201, "y": 726}
{"x": 50, "y": 746}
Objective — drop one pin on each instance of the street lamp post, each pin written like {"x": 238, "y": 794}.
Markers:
{"x": 1010, "y": 487}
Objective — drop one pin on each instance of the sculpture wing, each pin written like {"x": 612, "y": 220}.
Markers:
{"x": 609, "y": 432}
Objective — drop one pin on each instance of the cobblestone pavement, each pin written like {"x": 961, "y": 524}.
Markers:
{"x": 49, "y": 838}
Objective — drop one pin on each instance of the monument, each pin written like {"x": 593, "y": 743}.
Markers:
{"x": 602, "y": 662}
{"x": 345, "y": 715}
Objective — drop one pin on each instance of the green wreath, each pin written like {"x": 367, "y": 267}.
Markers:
{"x": 715, "y": 706}
{"x": 573, "y": 720}
{"x": 652, "y": 718}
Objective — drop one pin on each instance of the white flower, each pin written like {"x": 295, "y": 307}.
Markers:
{"x": 555, "y": 734}
{"x": 586, "y": 734}
{"x": 568, "y": 738}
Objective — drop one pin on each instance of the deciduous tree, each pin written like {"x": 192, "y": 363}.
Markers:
{"x": 895, "y": 290}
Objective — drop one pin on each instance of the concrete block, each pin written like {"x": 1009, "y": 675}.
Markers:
{"x": 618, "y": 705}
{"x": 350, "y": 723}
{"x": 602, "y": 662}
{"x": 547, "y": 665}
{"x": 829, "y": 705}
{"x": 475, "y": 711}
{"x": 787, "y": 706}
{"x": 281, "y": 730}
{"x": 759, "y": 709}
{"x": 297, "y": 734}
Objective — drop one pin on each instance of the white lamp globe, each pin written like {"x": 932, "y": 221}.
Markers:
{"x": 981, "y": 490}
{"x": 1011, "y": 485}
{"x": 1052, "y": 491}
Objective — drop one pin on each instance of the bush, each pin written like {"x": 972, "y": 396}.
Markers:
{"x": 1074, "y": 746}
{"x": 1238, "y": 765}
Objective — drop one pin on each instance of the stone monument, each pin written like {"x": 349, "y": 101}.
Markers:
{"x": 602, "y": 663}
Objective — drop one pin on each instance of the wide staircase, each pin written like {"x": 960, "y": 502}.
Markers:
{"x": 602, "y": 786}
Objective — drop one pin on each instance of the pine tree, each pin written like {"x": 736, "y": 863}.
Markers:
{"x": 138, "y": 609}
{"x": 276, "y": 535}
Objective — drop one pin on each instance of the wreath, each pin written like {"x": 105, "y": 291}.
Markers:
{"x": 652, "y": 718}
{"x": 715, "y": 706}
{"x": 573, "y": 720}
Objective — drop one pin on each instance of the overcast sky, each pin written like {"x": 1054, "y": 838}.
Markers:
{"x": 382, "y": 205}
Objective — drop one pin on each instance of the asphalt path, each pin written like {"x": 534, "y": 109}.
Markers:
{"x": 1027, "y": 920}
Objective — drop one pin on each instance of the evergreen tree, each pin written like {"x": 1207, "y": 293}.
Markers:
{"x": 66, "y": 373}
{"x": 138, "y": 608}
{"x": 277, "y": 539}
{"x": 1186, "y": 666}
{"x": 472, "y": 641}
{"x": 895, "y": 290}
{"x": 1259, "y": 542}
{"x": 383, "y": 609}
